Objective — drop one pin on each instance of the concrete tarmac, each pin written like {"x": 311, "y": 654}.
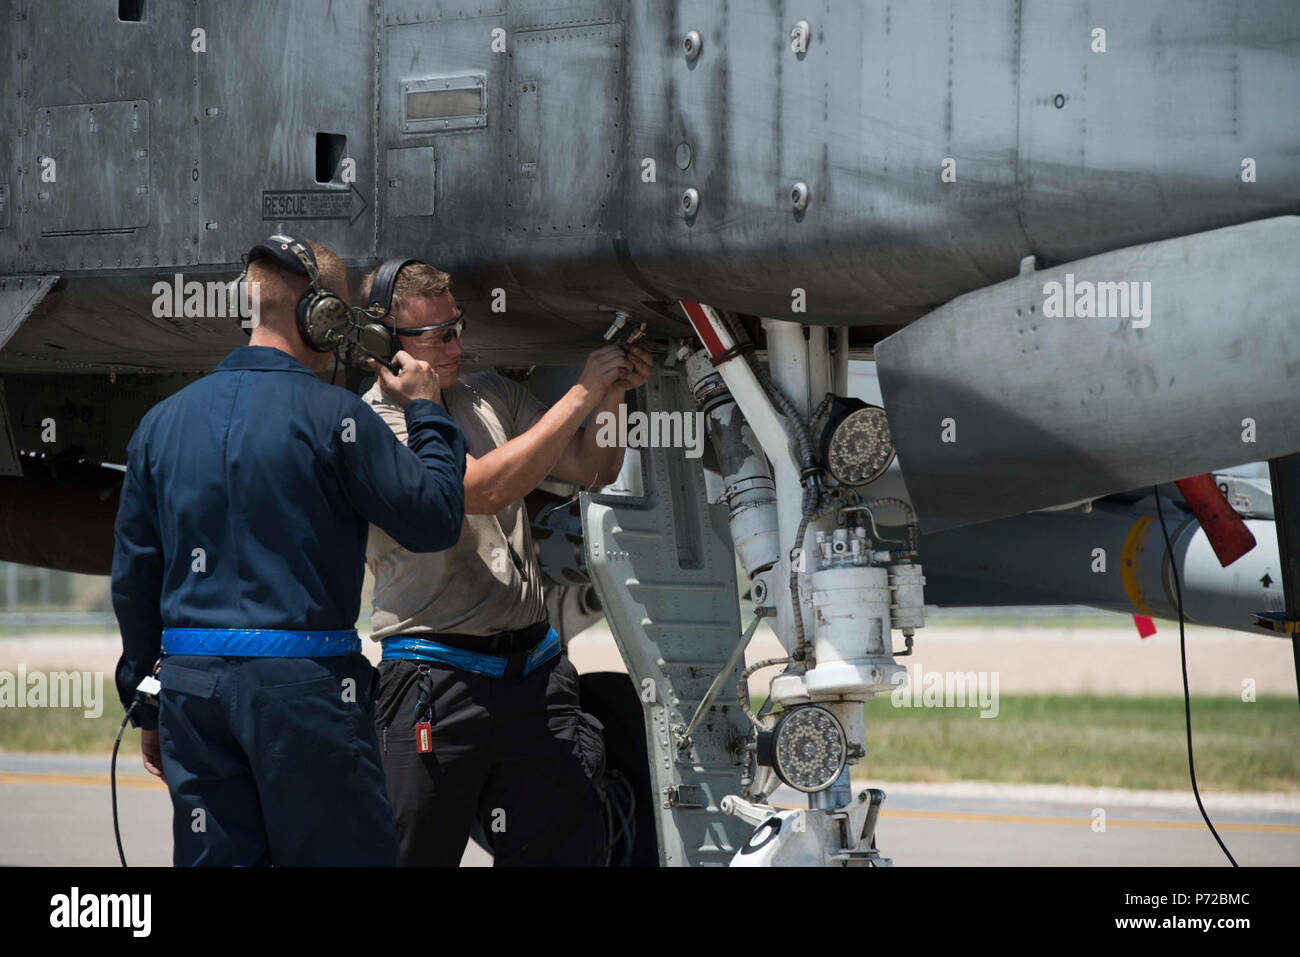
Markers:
{"x": 55, "y": 810}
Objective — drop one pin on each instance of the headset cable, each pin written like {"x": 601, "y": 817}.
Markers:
{"x": 1187, "y": 696}
{"x": 145, "y": 693}
{"x": 112, "y": 780}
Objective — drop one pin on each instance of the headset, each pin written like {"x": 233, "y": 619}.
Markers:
{"x": 378, "y": 337}
{"x": 322, "y": 318}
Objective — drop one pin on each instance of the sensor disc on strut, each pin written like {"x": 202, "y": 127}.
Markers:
{"x": 808, "y": 748}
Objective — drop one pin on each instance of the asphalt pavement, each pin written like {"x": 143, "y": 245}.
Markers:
{"x": 55, "y": 810}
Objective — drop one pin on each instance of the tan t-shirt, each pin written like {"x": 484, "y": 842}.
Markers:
{"x": 488, "y": 582}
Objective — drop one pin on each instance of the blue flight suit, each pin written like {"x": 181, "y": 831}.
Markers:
{"x": 239, "y": 556}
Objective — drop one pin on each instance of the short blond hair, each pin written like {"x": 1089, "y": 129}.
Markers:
{"x": 416, "y": 281}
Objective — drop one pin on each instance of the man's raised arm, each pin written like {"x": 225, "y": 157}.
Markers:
{"x": 414, "y": 492}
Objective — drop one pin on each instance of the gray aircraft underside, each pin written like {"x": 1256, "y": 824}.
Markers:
{"x": 1067, "y": 233}
{"x": 564, "y": 162}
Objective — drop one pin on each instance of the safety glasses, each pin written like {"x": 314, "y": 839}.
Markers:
{"x": 450, "y": 330}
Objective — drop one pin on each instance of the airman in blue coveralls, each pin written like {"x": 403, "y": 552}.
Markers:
{"x": 240, "y": 544}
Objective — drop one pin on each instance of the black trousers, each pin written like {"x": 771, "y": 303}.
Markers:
{"x": 273, "y": 761}
{"x": 520, "y": 755}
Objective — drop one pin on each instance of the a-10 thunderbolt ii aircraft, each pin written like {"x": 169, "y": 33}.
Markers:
{"x": 1066, "y": 232}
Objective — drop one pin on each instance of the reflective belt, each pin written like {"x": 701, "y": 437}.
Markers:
{"x": 409, "y": 648}
{"x": 259, "y": 643}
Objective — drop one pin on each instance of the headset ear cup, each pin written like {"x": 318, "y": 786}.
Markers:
{"x": 306, "y": 314}
{"x": 322, "y": 320}
{"x": 377, "y": 339}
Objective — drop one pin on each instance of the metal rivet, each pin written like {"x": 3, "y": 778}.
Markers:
{"x": 690, "y": 202}
{"x": 692, "y": 43}
{"x": 1059, "y": 100}
{"x": 683, "y": 155}
{"x": 799, "y": 196}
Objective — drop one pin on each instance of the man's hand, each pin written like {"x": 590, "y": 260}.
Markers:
{"x": 606, "y": 366}
{"x": 417, "y": 380}
{"x": 642, "y": 366}
{"x": 151, "y": 751}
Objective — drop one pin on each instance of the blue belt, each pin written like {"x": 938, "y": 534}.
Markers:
{"x": 409, "y": 648}
{"x": 259, "y": 643}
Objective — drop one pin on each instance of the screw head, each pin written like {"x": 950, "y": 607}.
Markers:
{"x": 799, "y": 196}
{"x": 690, "y": 202}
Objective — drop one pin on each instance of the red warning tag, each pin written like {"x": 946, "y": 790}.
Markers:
{"x": 1145, "y": 626}
{"x": 424, "y": 737}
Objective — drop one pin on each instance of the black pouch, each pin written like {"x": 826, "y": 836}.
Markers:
{"x": 591, "y": 747}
